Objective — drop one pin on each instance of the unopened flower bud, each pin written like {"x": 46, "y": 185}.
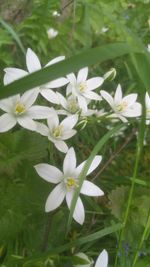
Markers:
{"x": 110, "y": 75}
{"x": 82, "y": 260}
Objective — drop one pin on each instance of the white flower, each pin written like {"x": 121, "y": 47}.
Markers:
{"x": 58, "y": 132}
{"x": 102, "y": 260}
{"x": 105, "y": 29}
{"x": 56, "y": 13}
{"x": 122, "y": 106}
{"x": 19, "y": 110}
{"x": 147, "y": 106}
{"x": 148, "y": 47}
{"x": 51, "y": 33}
{"x": 67, "y": 181}
{"x": 83, "y": 88}
{"x": 71, "y": 106}
{"x": 33, "y": 64}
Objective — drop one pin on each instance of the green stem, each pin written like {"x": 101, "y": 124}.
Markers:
{"x": 141, "y": 241}
{"x": 135, "y": 172}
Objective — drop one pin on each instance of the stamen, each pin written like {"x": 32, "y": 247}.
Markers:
{"x": 72, "y": 106}
{"x": 121, "y": 107}
{"x": 57, "y": 132}
{"x": 71, "y": 183}
{"x": 82, "y": 87}
{"x": 20, "y": 108}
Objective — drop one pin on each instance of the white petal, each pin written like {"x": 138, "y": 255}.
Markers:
{"x": 12, "y": 74}
{"x": 7, "y": 122}
{"x": 118, "y": 95}
{"x": 32, "y": 61}
{"x": 68, "y": 134}
{"x": 9, "y": 103}
{"x": 62, "y": 100}
{"x": 102, "y": 260}
{"x": 42, "y": 129}
{"x": 39, "y": 112}
{"x": 72, "y": 78}
{"x": 63, "y": 112}
{"x": 49, "y": 173}
{"x": 69, "y": 164}
{"x": 133, "y": 111}
{"x": 91, "y": 189}
{"x": 55, "y": 198}
{"x": 55, "y": 60}
{"x": 69, "y": 122}
{"x": 53, "y": 120}
{"x": 57, "y": 83}
{"x": 29, "y": 97}
{"x": 69, "y": 89}
{"x": 61, "y": 146}
{"x": 27, "y": 122}
{"x": 82, "y": 75}
{"x": 79, "y": 213}
{"x": 82, "y": 103}
{"x": 94, "y": 83}
{"x": 96, "y": 161}
{"x": 147, "y": 100}
{"x": 107, "y": 97}
{"x": 130, "y": 99}
{"x": 92, "y": 95}
{"x": 49, "y": 95}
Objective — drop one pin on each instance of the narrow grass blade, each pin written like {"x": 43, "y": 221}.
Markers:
{"x": 82, "y": 176}
{"x": 91, "y": 56}
{"x": 13, "y": 34}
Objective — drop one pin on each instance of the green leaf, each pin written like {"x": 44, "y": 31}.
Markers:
{"x": 82, "y": 176}
{"x": 80, "y": 241}
{"x": 91, "y": 56}
{"x": 142, "y": 66}
{"x": 13, "y": 34}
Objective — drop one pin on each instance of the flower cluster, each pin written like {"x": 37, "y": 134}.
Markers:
{"x": 63, "y": 112}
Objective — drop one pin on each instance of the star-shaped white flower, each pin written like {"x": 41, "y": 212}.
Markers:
{"x": 102, "y": 260}
{"x": 67, "y": 181}
{"x": 52, "y": 33}
{"x": 147, "y": 105}
{"x": 83, "y": 88}
{"x": 33, "y": 64}
{"x": 123, "y": 107}
{"x": 71, "y": 106}
{"x": 19, "y": 110}
{"x": 57, "y": 131}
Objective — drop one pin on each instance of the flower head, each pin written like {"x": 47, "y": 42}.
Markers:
{"x": 83, "y": 88}
{"x": 20, "y": 109}
{"x": 57, "y": 131}
{"x": 67, "y": 182}
{"x": 147, "y": 105}
{"x": 123, "y": 107}
{"x": 71, "y": 106}
{"x": 148, "y": 47}
{"x": 51, "y": 33}
{"x": 33, "y": 64}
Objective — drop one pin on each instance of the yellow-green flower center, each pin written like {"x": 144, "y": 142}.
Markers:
{"x": 20, "y": 108}
{"x": 82, "y": 87}
{"x": 57, "y": 132}
{"x": 121, "y": 107}
{"x": 148, "y": 110}
{"x": 71, "y": 183}
{"x": 72, "y": 106}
